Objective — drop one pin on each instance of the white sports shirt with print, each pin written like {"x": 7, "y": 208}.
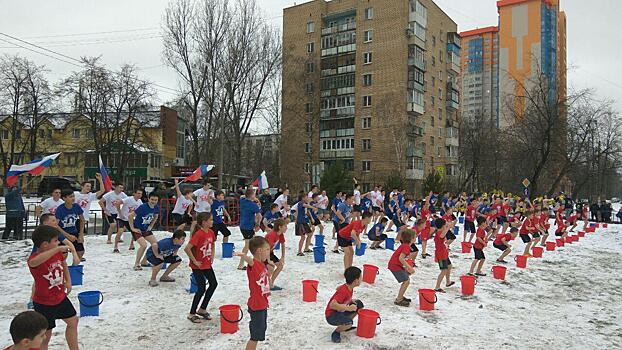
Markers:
{"x": 84, "y": 200}
{"x": 49, "y": 205}
{"x": 203, "y": 198}
{"x": 181, "y": 204}
{"x": 129, "y": 206}
{"x": 112, "y": 199}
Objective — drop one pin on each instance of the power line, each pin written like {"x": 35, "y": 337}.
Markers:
{"x": 92, "y": 33}
{"x": 40, "y": 53}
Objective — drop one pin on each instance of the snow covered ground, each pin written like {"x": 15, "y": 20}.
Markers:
{"x": 569, "y": 299}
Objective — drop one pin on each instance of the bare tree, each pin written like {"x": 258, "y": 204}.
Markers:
{"x": 40, "y": 100}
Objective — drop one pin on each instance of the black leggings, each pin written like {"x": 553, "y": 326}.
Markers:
{"x": 200, "y": 276}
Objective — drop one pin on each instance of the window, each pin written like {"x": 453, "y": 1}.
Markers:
{"x": 369, "y": 35}
{"x": 367, "y": 57}
{"x": 432, "y": 120}
{"x": 309, "y": 88}
{"x": 440, "y": 113}
{"x": 369, "y": 13}
{"x": 433, "y": 81}
{"x": 433, "y": 61}
{"x": 366, "y": 164}
{"x": 440, "y": 76}
{"x": 307, "y": 168}
{"x": 433, "y": 40}
{"x": 366, "y": 101}
{"x": 308, "y": 107}
{"x": 308, "y": 127}
{"x": 18, "y": 134}
{"x": 5, "y": 134}
{"x": 75, "y": 133}
{"x": 310, "y": 67}
{"x": 310, "y": 47}
{"x": 89, "y": 133}
{"x": 307, "y": 147}
{"x": 440, "y": 56}
{"x": 432, "y": 100}
{"x": 440, "y": 93}
{"x": 310, "y": 27}
{"x": 366, "y": 79}
{"x": 366, "y": 144}
{"x": 366, "y": 122}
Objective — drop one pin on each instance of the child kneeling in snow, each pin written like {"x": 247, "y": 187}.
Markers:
{"x": 165, "y": 251}
{"x": 341, "y": 308}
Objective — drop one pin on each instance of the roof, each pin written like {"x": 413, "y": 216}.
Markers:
{"x": 502, "y": 3}
{"x": 148, "y": 119}
{"x": 479, "y": 31}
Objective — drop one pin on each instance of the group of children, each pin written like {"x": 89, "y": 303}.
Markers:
{"x": 62, "y": 231}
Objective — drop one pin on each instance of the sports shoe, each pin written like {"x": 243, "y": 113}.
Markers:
{"x": 153, "y": 283}
{"x": 115, "y": 250}
{"x": 335, "y": 337}
{"x": 402, "y": 302}
{"x": 276, "y": 288}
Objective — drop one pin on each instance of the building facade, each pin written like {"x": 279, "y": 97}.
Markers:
{"x": 371, "y": 85}
{"x": 480, "y": 75}
{"x": 532, "y": 40}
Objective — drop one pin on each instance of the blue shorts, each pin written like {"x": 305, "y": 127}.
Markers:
{"x": 258, "y": 324}
{"x": 502, "y": 220}
{"x": 171, "y": 259}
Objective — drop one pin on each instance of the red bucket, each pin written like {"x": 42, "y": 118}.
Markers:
{"x": 569, "y": 239}
{"x": 410, "y": 262}
{"x": 369, "y": 273}
{"x": 605, "y": 225}
{"x": 597, "y": 225}
{"x": 590, "y": 229}
{"x": 560, "y": 242}
{"x": 427, "y": 299}
{"x": 466, "y": 247}
{"x": 575, "y": 238}
{"x": 550, "y": 246}
{"x": 498, "y": 272}
{"x": 368, "y": 320}
{"x": 581, "y": 233}
{"x": 537, "y": 252}
{"x": 230, "y": 316}
{"x": 468, "y": 284}
{"x": 521, "y": 261}
{"x": 309, "y": 290}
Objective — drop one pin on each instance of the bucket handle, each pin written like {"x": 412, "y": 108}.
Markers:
{"x": 313, "y": 286}
{"x": 240, "y": 319}
{"x": 430, "y": 302}
{"x": 379, "y": 321}
{"x": 87, "y": 305}
{"x": 475, "y": 281}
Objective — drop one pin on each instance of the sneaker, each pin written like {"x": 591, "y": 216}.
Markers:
{"x": 276, "y": 288}
{"x": 480, "y": 274}
{"x": 153, "y": 283}
{"x": 407, "y": 299}
{"x": 131, "y": 248}
{"x": 115, "y": 250}
{"x": 402, "y": 302}
{"x": 470, "y": 274}
{"x": 336, "y": 251}
{"x": 82, "y": 259}
{"x": 502, "y": 261}
{"x": 439, "y": 290}
{"x": 167, "y": 279}
{"x": 335, "y": 337}
{"x": 373, "y": 248}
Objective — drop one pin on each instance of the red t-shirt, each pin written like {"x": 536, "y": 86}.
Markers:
{"x": 259, "y": 285}
{"x": 505, "y": 208}
{"x": 394, "y": 262}
{"x": 572, "y": 218}
{"x": 343, "y": 295}
{"x": 501, "y": 236}
{"x": 203, "y": 243}
{"x": 524, "y": 229}
{"x": 480, "y": 234}
{"x": 355, "y": 226}
{"x": 425, "y": 215}
{"x": 440, "y": 249}
{"x": 544, "y": 219}
{"x": 470, "y": 213}
{"x": 272, "y": 237}
{"x": 49, "y": 280}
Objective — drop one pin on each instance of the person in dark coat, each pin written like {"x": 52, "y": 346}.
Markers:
{"x": 15, "y": 214}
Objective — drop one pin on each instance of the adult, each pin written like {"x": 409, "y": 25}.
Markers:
{"x": 265, "y": 199}
{"x": 15, "y": 213}
{"x": 49, "y": 205}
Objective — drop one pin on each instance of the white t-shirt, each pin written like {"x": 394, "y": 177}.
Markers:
{"x": 129, "y": 205}
{"x": 203, "y": 200}
{"x": 49, "y": 205}
{"x": 357, "y": 197}
{"x": 181, "y": 204}
{"x": 322, "y": 202}
{"x": 310, "y": 194}
{"x": 84, "y": 200}
{"x": 281, "y": 201}
{"x": 374, "y": 198}
{"x": 112, "y": 199}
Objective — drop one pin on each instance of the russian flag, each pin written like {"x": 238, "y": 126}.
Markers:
{"x": 201, "y": 171}
{"x": 261, "y": 182}
{"x": 34, "y": 168}
{"x": 104, "y": 174}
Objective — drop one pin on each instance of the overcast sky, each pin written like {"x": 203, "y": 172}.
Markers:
{"x": 128, "y": 31}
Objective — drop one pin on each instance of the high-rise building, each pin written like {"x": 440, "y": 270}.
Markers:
{"x": 372, "y": 85}
{"x": 480, "y": 75}
{"x": 532, "y": 40}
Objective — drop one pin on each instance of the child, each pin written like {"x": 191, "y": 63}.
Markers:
{"x": 52, "y": 284}
{"x": 28, "y": 331}
{"x": 249, "y": 220}
{"x": 441, "y": 256}
{"x": 561, "y": 227}
{"x": 269, "y": 216}
{"x": 425, "y": 234}
{"x": 183, "y": 206}
{"x": 200, "y": 251}
{"x": 342, "y": 216}
{"x": 375, "y": 234}
{"x": 111, "y": 203}
{"x": 342, "y": 309}
{"x": 315, "y": 220}
{"x": 572, "y": 220}
{"x": 481, "y": 240}
{"x": 141, "y": 222}
{"x": 303, "y": 228}
{"x": 129, "y": 205}
{"x": 469, "y": 219}
{"x": 165, "y": 251}
{"x": 71, "y": 221}
{"x": 49, "y": 205}
{"x": 417, "y": 229}
{"x": 218, "y": 213}
{"x": 344, "y": 238}
{"x": 400, "y": 268}
{"x": 524, "y": 231}
{"x": 502, "y": 242}
{"x": 204, "y": 197}
{"x": 537, "y": 228}
{"x": 451, "y": 220}
{"x": 276, "y": 235}
{"x": 259, "y": 287}
{"x": 544, "y": 224}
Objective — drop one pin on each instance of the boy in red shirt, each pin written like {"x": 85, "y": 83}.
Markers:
{"x": 451, "y": 220}
{"x": 425, "y": 215}
{"x": 561, "y": 226}
{"x": 525, "y": 230}
{"x": 400, "y": 268}
{"x": 544, "y": 225}
{"x": 200, "y": 250}
{"x": 259, "y": 287}
{"x": 28, "y": 330}
{"x": 52, "y": 284}
{"x": 572, "y": 220}
{"x": 344, "y": 238}
{"x": 481, "y": 240}
{"x": 502, "y": 242}
{"x": 469, "y": 219}
{"x": 341, "y": 308}
{"x": 538, "y": 227}
{"x": 441, "y": 256}
{"x": 276, "y": 235}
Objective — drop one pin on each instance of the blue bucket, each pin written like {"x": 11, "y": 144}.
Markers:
{"x": 319, "y": 240}
{"x": 193, "y": 285}
{"x": 461, "y": 219}
{"x": 277, "y": 246}
{"x": 418, "y": 239}
{"x": 389, "y": 243}
{"x": 319, "y": 254}
{"x": 227, "y": 250}
{"x": 164, "y": 266}
{"x": 456, "y": 230}
{"x": 76, "y": 273}
{"x": 592, "y": 224}
{"x": 361, "y": 251}
{"x": 89, "y": 302}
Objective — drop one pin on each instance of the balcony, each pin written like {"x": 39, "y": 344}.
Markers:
{"x": 414, "y": 152}
{"x": 452, "y": 86}
{"x": 331, "y": 154}
{"x": 340, "y": 28}
{"x": 451, "y": 159}
{"x": 414, "y": 107}
{"x": 419, "y": 63}
{"x": 454, "y": 67}
{"x": 341, "y": 112}
{"x": 415, "y": 131}
{"x": 453, "y": 104}
{"x": 414, "y": 174}
{"x": 415, "y": 85}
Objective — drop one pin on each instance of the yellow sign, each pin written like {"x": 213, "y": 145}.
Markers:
{"x": 440, "y": 170}
{"x": 526, "y": 182}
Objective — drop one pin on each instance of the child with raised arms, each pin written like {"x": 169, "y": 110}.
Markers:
{"x": 165, "y": 251}
{"x": 183, "y": 207}
{"x": 342, "y": 309}
{"x": 400, "y": 269}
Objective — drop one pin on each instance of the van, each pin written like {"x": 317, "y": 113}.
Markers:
{"x": 49, "y": 183}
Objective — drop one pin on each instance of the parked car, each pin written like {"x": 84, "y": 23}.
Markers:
{"x": 49, "y": 183}
{"x": 615, "y": 200}
{"x": 150, "y": 185}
